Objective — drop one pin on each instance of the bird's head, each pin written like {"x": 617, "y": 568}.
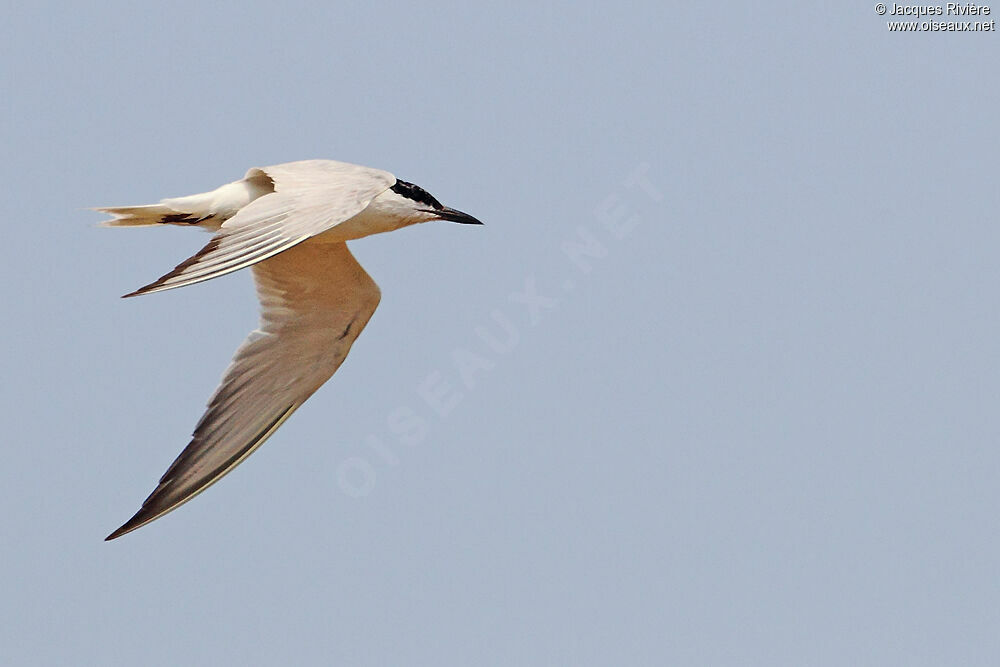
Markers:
{"x": 420, "y": 204}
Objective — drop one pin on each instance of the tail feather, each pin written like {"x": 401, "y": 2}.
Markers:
{"x": 208, "y": 209}
{"x": 140, "y": 216}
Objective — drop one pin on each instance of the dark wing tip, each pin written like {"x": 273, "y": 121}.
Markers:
{"x": 141, "y": 518}
{"x": 138, "y": 292}
{"x": 152, "y": 508}
{"x": 158, "y": 284}
{"x": 155, "y": 286}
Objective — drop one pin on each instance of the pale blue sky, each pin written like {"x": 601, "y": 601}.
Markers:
{"x": 748, "y": 415}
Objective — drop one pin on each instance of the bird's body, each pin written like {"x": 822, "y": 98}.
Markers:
{"x": 290, "y": 223}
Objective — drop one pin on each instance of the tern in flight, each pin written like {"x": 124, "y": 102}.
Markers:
{"x": 289, "y": 223}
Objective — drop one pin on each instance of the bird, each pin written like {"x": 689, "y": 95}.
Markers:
{"x": 289, "y": 223}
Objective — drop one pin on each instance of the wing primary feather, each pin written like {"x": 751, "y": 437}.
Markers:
{"x": 150, "y": 510}
{"x": 179, "y": 277}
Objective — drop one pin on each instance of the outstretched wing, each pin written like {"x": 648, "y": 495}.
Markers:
{"x": 309, "y": 198}
{"x": 315, "y": 300}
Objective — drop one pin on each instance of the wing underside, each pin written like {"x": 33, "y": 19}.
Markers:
{"x": 315, "y": 300}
